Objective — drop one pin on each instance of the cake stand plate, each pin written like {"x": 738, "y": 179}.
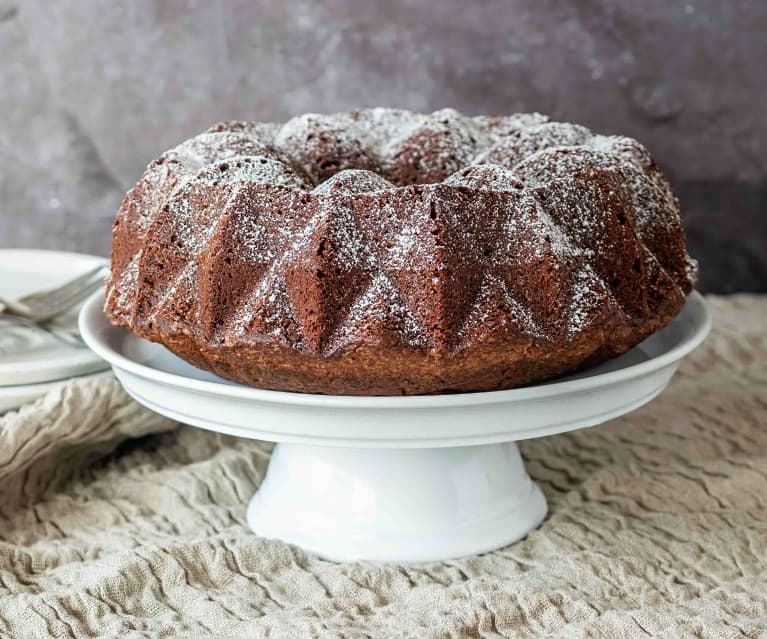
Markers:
{"x": 416, "y": 478}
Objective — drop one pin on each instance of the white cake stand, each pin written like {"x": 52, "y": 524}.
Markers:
{"x": 417, "y": 478}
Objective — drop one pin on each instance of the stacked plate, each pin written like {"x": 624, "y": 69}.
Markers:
{"x": 31, "y": 361}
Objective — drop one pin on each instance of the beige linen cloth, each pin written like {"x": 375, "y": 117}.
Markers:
{"x": 118, "y": 523}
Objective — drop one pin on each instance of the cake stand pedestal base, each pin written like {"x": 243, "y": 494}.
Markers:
{"x": 418, "y": 504}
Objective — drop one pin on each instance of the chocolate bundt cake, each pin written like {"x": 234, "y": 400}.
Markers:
{"x": 385, "y": 252}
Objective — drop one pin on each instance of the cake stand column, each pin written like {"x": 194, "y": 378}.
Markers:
{"x": 407, "y": 504}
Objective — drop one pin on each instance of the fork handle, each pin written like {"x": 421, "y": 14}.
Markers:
{"x": 66, "y": 337}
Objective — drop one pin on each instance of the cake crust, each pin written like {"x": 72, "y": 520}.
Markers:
{"x": 384, "y": 252}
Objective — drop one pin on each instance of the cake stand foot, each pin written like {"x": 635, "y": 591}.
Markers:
{"x": 403, "y": 505}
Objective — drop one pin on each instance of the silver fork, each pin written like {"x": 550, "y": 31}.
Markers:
{"x": 70, "y": 338}
{"x": 43, "y": 306}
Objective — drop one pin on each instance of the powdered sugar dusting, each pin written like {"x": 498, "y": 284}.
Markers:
{"x": 491, "y": 177}
{"x": 351, "y": 181}
{"x": 122, "y": 292}
{"x": 333, "y": 162}
{"x": 252, "y": 240}
{"x": 439, "y": 145}
{"x": 403, "y": 251}
{"x": 178, "y": 297}
{"x": 325, "y": 144}
{"x": 512, "y": 149}
{"x": 654, "y": 211}
{"x": 503, "y": 125}
{"x": 256, "y": 169}
{"x": 381, "y": 304}
{"x": 588, "y": 293}
{"x": 531, "y": 227}
{"x": 190, "y": 234}
{"x": 269, "y": 305}
{"x": 209, "y": 148}
{"x": 512, "y": 311}
{"x": 387, "y": 128}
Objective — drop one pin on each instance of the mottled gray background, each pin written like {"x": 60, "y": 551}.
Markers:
{"x": 91, "y": 91}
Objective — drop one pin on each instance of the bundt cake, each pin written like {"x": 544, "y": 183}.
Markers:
{"x": 384, "y": 252}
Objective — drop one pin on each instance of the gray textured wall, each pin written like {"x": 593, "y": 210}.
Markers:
{"x": 91, "y": 91}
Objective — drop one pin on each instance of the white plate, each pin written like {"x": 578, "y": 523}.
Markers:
{"x": 14, "y": 396}
{"x": 29, "y": 356}
{"x": 171, "y": 386}
{"x": 419, "y": 478}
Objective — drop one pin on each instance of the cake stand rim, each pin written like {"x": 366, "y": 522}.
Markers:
{"x": 394, "y": 440}
{"x": 94, "y": 327}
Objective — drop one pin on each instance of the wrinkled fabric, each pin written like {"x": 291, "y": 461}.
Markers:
{"x": 115, "y": 522}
